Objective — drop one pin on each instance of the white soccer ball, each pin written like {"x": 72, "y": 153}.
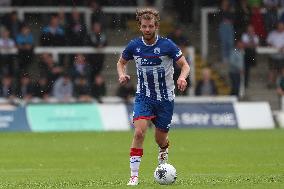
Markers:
{"x": 165, "y": 174}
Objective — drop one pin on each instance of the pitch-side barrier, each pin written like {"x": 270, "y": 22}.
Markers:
{"x": 114, "y": 115}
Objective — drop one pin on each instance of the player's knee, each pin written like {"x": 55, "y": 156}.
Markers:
{"x": 139, "y": 134}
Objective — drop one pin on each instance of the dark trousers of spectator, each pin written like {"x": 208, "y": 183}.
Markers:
{"x": 7, "y": 64}
{"x": 25, "y": 59}
{"x": 235, "y": 83}
{"x": 250, "y": 61}
{"x": 97, "y": 63}
{"x": 226, "y": 36}
{"x": 276, "y": 64}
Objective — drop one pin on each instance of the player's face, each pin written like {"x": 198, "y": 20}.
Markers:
{"x": 148, "y": 29}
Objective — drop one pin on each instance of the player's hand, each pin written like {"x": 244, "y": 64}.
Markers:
{"x": 181, "y": 84}
{"x": 123, "y": 79}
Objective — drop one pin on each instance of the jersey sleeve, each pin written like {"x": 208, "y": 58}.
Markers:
{"x": 174, "y": 51}
{"x": 127, "y": 53}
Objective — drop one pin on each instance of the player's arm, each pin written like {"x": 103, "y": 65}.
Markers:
{"x": 181, "y": 82}
{"x": 123, "y": 78}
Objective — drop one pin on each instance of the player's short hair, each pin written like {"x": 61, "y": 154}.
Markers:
{"x": 147, "y": 14}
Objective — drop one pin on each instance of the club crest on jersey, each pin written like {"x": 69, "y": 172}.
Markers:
{"x": 157, "y": 50}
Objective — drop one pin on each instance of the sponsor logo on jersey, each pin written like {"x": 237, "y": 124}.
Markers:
{"x": 150, "y": 61}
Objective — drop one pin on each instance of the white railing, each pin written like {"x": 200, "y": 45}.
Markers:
{"x": 267, "y": 50}
{"x": 204, "y": 27}
{"x": 56, "y": 51}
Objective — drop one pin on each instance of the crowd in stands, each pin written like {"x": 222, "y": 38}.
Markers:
{"x": 244, "y": 25}
{"x": 78, "y": 78}
{"x": 66, "y": 3}
{"x": 73, "y": 77}
{"x": 206, "y": 86}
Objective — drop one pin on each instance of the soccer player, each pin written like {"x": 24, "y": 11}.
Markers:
{"x": 154, "y": 57}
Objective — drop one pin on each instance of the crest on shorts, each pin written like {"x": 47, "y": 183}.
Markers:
{"x": 157, "y": 50}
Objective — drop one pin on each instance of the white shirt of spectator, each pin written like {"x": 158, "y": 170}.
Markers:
{"x": 276, "y": 39}
{"x": 274, "y": 3}
{"x": 271, "y": 3}
{"x": 246, "y": 39}
{"x": 7, "y": 43}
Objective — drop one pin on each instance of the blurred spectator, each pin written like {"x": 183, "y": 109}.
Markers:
{"x": 62, "y": 19}
{"x": 63, "y": 88}
{"x": 76, "y": 30}
{"x": 242, "y": 17}
{"x": 97, "y": 13}
{"x": 226, "y": 30}
{"x": 82, "y": 89}
{"x": 25, "y": 44}
{"x": 280, "y": 84}
{"x": 149, "y": 3}
{"x": 13, "y": 24}
{"x": 97, "y": 39}
{"x": 251, "y": 41}
{"x": 127, "y": 92}
{"x": 271, "y": 3}
{"x": 130, "y": 2}
{"x": 42, "y": 88}
{"x": 206, "y": 86}
{"x": 7, "y": 45}
{"x": 25, "y": 88}
{"x": 280, "y": 88}
{"x": 98, "y": 88}
{"x": 185, "y": 11}
{"x": 276, "y": 39}
{"x": 49, "y": 3}
{"x": 236, "y": 66}
{"x": 233, "y": 3}
{"x": 80, "y": 67}
{"x": 5, "y": 3}
{"x": 282, "y": 18}
{"x": 119, "y": 20}
{"x": 183, "y": 42}
{"x": 257, "y": 22}
{"x": 178, "y": 37}
{"x": 53, "y": 34}
{"x": 209, "y": 3}
{"x": 7, "y": 89}
{"x": 271, "y": 15}
{"x": 49, "y": 68}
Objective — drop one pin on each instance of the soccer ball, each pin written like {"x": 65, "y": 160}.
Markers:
{"x": 165, "y": 174}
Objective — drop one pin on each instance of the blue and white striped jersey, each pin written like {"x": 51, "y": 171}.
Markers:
{"x": 154, "y": 65}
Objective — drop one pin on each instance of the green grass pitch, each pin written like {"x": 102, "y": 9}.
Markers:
{"x": 204, "y": 158}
